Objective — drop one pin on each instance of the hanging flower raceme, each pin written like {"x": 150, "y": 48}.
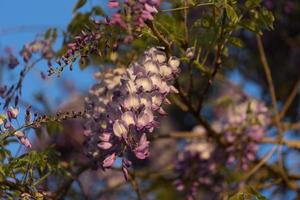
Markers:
{"x": 139, "y": 10}
{"x": 243, "y": 126}
{"x": 197, "y": 166}
{"x": 124, "y": 107}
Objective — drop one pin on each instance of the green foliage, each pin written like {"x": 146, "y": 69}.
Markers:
{"x": 249, "y": 194}
{"x": 231, "y": 14}
{"x": 79, "y": 4}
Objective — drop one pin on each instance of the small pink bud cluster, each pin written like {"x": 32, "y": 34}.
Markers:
{"x": 84, "y": 43}
{"x": 125, "y": 107}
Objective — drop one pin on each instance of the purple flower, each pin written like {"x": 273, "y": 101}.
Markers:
{"x": 120, "y": 128}
{"x": 129, "y": 118}
{"x": 145, "y": 119}
{"x": 142, "y": 150}
{"x": 140, "y": 12}
{"x": 130, "y": 102}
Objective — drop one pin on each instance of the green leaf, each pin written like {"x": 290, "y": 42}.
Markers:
{"x": 98, "y": 11}
{"x": 54, "y": 34}
{"x": 266, "y": 18}
{"x": 250, "y": 25}
{"x": 48, "y": 33}
{"x": 249, "y": 194}
{"x": 231, "y": 14}
{"x": 236, "y": 41}
{"x": 79, "y": 4}
{"x": 2, "y": 116}
{"x": 252, "y": 3}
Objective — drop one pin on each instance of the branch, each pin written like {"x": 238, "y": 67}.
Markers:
{"x": 289, "y": 143}
{"x": 160, "y": 37}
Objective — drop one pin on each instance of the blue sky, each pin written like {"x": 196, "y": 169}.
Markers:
{"x": 20, "y": 22}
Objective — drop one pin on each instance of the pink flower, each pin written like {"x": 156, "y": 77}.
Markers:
{"x": 25, "y": 141}
{"x": 142, "y": 150}
{"x": 109, "y": 161}
{"x": 113, "y": 4}
{"x": 104, "y": 145}
{"x": 12, "y": 113}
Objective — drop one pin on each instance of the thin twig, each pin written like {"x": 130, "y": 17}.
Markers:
{"x": 135, "y": 185}
{"x": 290, "y": 99}
{"x": 160, "y": 37}
{"x": 216, "y": 64}
{"x": 187, "y": 7}
{"x": 268, "y": 74}
{"x": 261, "y": 163}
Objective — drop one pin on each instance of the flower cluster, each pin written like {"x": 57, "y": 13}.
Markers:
{"x": 7, "y": 126}
{"x": 139, "y": 10}
{"x": 243, "y": 126}
{"x": 125, "y": 106}
{"x": 42, "y": 47}
{"x": 197, "y": 166}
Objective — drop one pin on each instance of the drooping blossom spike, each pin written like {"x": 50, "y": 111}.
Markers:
{"x": 241, "y": 126}
{"x": 140, "y": 12}
{"x": 196, "y": 166}
{"x": 125, "y": 105}
{"x": 245, "y": 123}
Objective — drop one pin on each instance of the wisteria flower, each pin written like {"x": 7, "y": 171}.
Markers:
{"x": 124, "y": 107}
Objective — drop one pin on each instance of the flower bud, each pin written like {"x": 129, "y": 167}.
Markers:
{"x": 12, "y": 113}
